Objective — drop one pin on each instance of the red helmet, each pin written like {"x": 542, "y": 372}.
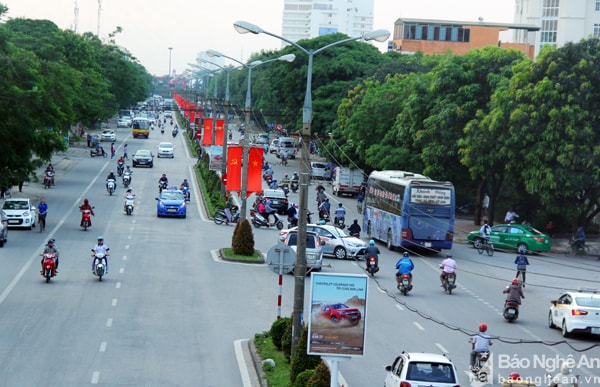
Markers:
{"x": 514, "y": 376}
{"x": 482, "y": 327}
{"x": 515, "y": 281}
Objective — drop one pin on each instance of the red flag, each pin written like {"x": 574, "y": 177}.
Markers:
{"x": 207, "y": 135}
{"x": 234, "y": 168}
{"x": 220, "y": 133}
{"x": 255, "y": 170}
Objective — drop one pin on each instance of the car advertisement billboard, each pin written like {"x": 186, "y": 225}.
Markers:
{"x": 337, "y": 322}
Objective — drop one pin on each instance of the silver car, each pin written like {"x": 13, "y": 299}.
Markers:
{"x": 314, "y": 252}
{"x": 337, "y": 242}
{"x": 3, "y": 228}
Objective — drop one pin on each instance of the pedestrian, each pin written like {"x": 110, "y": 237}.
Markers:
{"x": 510, "y": 216}
{"x": 89, "y": 140}
{"x": 112, "y": 150}
{"x": 550, "y": 228}
{"x": 125, "y": 152}
{"x": 485, "y": 204}
{"x": 20, "y": 185}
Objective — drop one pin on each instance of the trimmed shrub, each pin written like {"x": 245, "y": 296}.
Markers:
{"x": 321, "y": 376}
{"x": 278, "y": 329}
{"x": 286, "y": 342}
{"x": 301, "y": 360}
{"x": 303, "y": 378}
{"x": 243, "y": 239}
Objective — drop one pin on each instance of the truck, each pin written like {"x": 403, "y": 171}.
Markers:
{"x": 348, "y": 181}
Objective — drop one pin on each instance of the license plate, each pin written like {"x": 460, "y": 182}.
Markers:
{"x": 596, "y": 331}
{"x": 171, "y": 209}
{"x": 274, "y": 201}
{"x": 13, "y": 221}
{"x": 427, "y": 244}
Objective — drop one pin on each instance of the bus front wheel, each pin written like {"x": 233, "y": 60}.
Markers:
{"x": 389, "y": 241}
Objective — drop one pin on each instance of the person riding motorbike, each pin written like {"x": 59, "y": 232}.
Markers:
{"x": 185, "y": 184}
{"x": 340, "y": 213}
{"x": 354, "y": 228}
{"x": 100, "y": 248}
{"x": 50, "y": 249}
{"x": 285, "y": 180}
{"x": 521, "y": 261}
{"x": 50, "y": 172}
{"x": 372, "y": 251}
{"x": 514, "y": 292}
{"x": 292, "y": 214}
{"x": 128, "y": 172}
{"x": 448, "y": 266}
{"x": 579, "y": 238}
{"x": 112, "y": 176}
{"x": 228, "y": 207}
{"x": 405, "y": 266}
{"x": 163, "y": 182}
{"x": 324, "y": 208}
{"x": 485, "y": 231}
{"x": 86, "y": 206}
{"x": 121, "y": 163}
{"x": 265, "y": 166}
{"x": 480, "y": 342}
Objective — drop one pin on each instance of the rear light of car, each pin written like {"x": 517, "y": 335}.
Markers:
{"x": 538, "y": 239}
{"x": 405, "y": 384}
{"x": 406, "y": 234}
{"x": 578, "y": 312}
{"x": 449, "y": 237}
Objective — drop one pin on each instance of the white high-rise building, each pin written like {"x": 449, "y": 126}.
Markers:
{"x": 561, "y": 21}
{"x": 306, "y": 19}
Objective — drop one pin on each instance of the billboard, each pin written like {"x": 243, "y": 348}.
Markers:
{"x": 337, "y": 322}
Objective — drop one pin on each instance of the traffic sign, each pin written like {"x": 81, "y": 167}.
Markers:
{"x": 282, "y": 256}
{"x": 224, "y": 179}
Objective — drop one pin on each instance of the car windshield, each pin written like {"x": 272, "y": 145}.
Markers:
{"x": 588, "y": 301}
{"x": 166, "y": 146}
{"x": 171, "y": 195}
{"x": 430, "y": 372}
{"x": 310, "y": 241}
{"x": 15, "y": 205}
{"x": 531, "y": 230}
{"x": 143, "y": 154}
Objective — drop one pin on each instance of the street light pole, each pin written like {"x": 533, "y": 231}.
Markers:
{"x": 300, "y": 268}
{"x": 247, "y": 107}
{"x": 170, "y": 52}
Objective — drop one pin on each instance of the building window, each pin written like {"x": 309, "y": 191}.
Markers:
{"x": 597, "y": 30}
{"x": 597, "y": 5}
{"x": 549, "y": 30}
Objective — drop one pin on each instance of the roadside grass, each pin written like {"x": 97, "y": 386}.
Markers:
{"x": 229, "y": 254}
{"x": 278, "y": 376}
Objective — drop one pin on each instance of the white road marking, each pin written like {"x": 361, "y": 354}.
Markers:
{"x": 126, "y": 247}
{"x": 239, "y": 355}
{"x": 122, "y": 270}
{"x": 95, "y": 377}
{"x": 399, "y": 307}
{"x": 114, "y": 302}
{"x": 103, "y": 346}
{"x": 118, "y": 285}
{"x": 419, "y": 326}
{"x": 124, "y": 257}
{"x": 109, "y": 322}
{"x": 441, "y": 347}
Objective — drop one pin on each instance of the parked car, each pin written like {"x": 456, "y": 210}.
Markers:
{"x": 514, "y": 236}
{"x": 273, "y": 146}
{"x": 466, "y": 209}
{"x": 143, "y": 157}
{"x": 165, "y": 149}
{"x": 339, "y": 312}
{"x": 421, "y": 369}
{"x": 19, "y": 213}
{"x": 171, "y": 202}
{"x": 3, "y": 228}
{"x": 288, "y": 145}
{"x": 318, "y": 170}
{"x": 278, "y": 200}
{"x": 262, "y": 139}
{"x": 314, "y": 252}
{"x": 576, "y": 312}
{"x": 108, "y": 135}
{"x": 337, "y": 242}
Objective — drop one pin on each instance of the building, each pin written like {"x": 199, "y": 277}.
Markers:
{"x": 306, "y": 19}
{"x": 458, "y": 37}
{"x": 560, "y": 21}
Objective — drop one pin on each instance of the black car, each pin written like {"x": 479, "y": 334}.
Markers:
{"x": 143, "y": 157}
{"x": 278, "y": 200}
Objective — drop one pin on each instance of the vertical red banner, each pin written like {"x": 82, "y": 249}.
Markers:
{"x": 220, "y": 133}
{"x": 255, "y": 170}
{"x": 193, "y": 116}
{"x": 234, "y": 168}
{"x": 207, "y": 135}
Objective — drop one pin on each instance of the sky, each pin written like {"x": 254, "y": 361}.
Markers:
{"x": 150, "y": 27}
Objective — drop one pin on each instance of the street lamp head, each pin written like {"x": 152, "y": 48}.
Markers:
{"x": 378, "y": 35}
{"x": 255, "y": 63}
{"x": 213, "y": 53}
{"x": 287, "y": 58}
{"x": 243, "y": 27}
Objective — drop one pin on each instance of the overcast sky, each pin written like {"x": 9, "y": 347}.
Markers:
{"x": 150, "y": 27}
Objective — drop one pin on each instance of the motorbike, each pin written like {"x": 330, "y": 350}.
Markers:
{"x": 186, "y": 193}
{"x": 162, "y": 186}
{"x": 48, "y": 179}
{"x": 450, "y": 282}
{"x": 324, "y": 215}
{"x": 126, "y": 179}
{"x": 339, "y": 223}
{"x": 100, "y": 266}
{"x": 49, "y": 266}
{"x": 120, "y": 168}
{"x": 221, "y": 217}
{"x": 292, "y": 222}
{"x": 511, "y": 310}
{"x": 294, "y": 186}
{"x": 129, "y": 204}
{"x": 110, "y": 186}
{"x": 404, "y": 284}
{"x": 285, "y": 188}
{"x": 481, "y": 370}
{"x": 86, "y": 219}
{"x": 372, "y": 267}
{"x": 99, "y": 152}
{"x": 259, "y": 221}
{"x": 162, "y": 130}
{"x": 174, "y": 133}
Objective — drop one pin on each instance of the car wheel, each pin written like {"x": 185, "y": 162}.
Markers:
{"x": 522, "y": 246}
{"x": 550, "y": 322}
{"x": 340, "y": 252}
{"x": 1, "y": 243}
{"x": 565, "y": 331}
{"x": 151, "y": 165}
{"x": 334, "y": 319}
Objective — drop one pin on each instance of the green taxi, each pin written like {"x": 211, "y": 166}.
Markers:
{"x": 514, "y": 236}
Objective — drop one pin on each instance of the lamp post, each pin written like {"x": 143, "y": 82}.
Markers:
{"x": 244, "y": 27}
{"x": 247, "y": 106}
{"x": 170, "y": 52}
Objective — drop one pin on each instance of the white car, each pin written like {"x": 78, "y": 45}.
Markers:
{"x": 318, "y": 170}
{"x": 421, "y": 369}
{"x": 168, "y": 114}
{"x": 108, "y": 135}
{"x": 3, "y": 228}
{"x": 123, "y": 123}
{"x": 19, "y": 213}
{"x": 273, "y": 146}
{"x": 576, "y": 312}
{"x": 337, "y": 242}
{"x": 165, "y": 149}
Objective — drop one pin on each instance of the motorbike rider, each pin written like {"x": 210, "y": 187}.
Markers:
{"x": 42, "y": 209}
{"x": 100, "y": 248}
{"x": 285, "y": 180}
{"x": 372, "y": 251}
{"x": 324, "y": 208}
{"x": 448, "y": 266}
{"x": 50, "y": 172}
{"x": 265, "y": 166}
{"x": 405, "y": 266}
{"x": 579, "y": 238}
{"x": 514, "y": 292}
{"x": 521, "y": 261}
{"x": 163, "y": 182}
{"x": 292, "y": 214}
{"x": 50, "y": 249}
{"x": 295, "y": 177}
{"x": 121, "y": 162}
{"x": 86, "y": 206}
{"x": 228, "y": 207}
{"x": 485, "y": 231}
{"x": 340, "y": 213}
{"x": 480, "y": 342}
{"x": 354, "y": 228}
{"x": 111, "y": 175}
{"x": 129, "y": 172}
